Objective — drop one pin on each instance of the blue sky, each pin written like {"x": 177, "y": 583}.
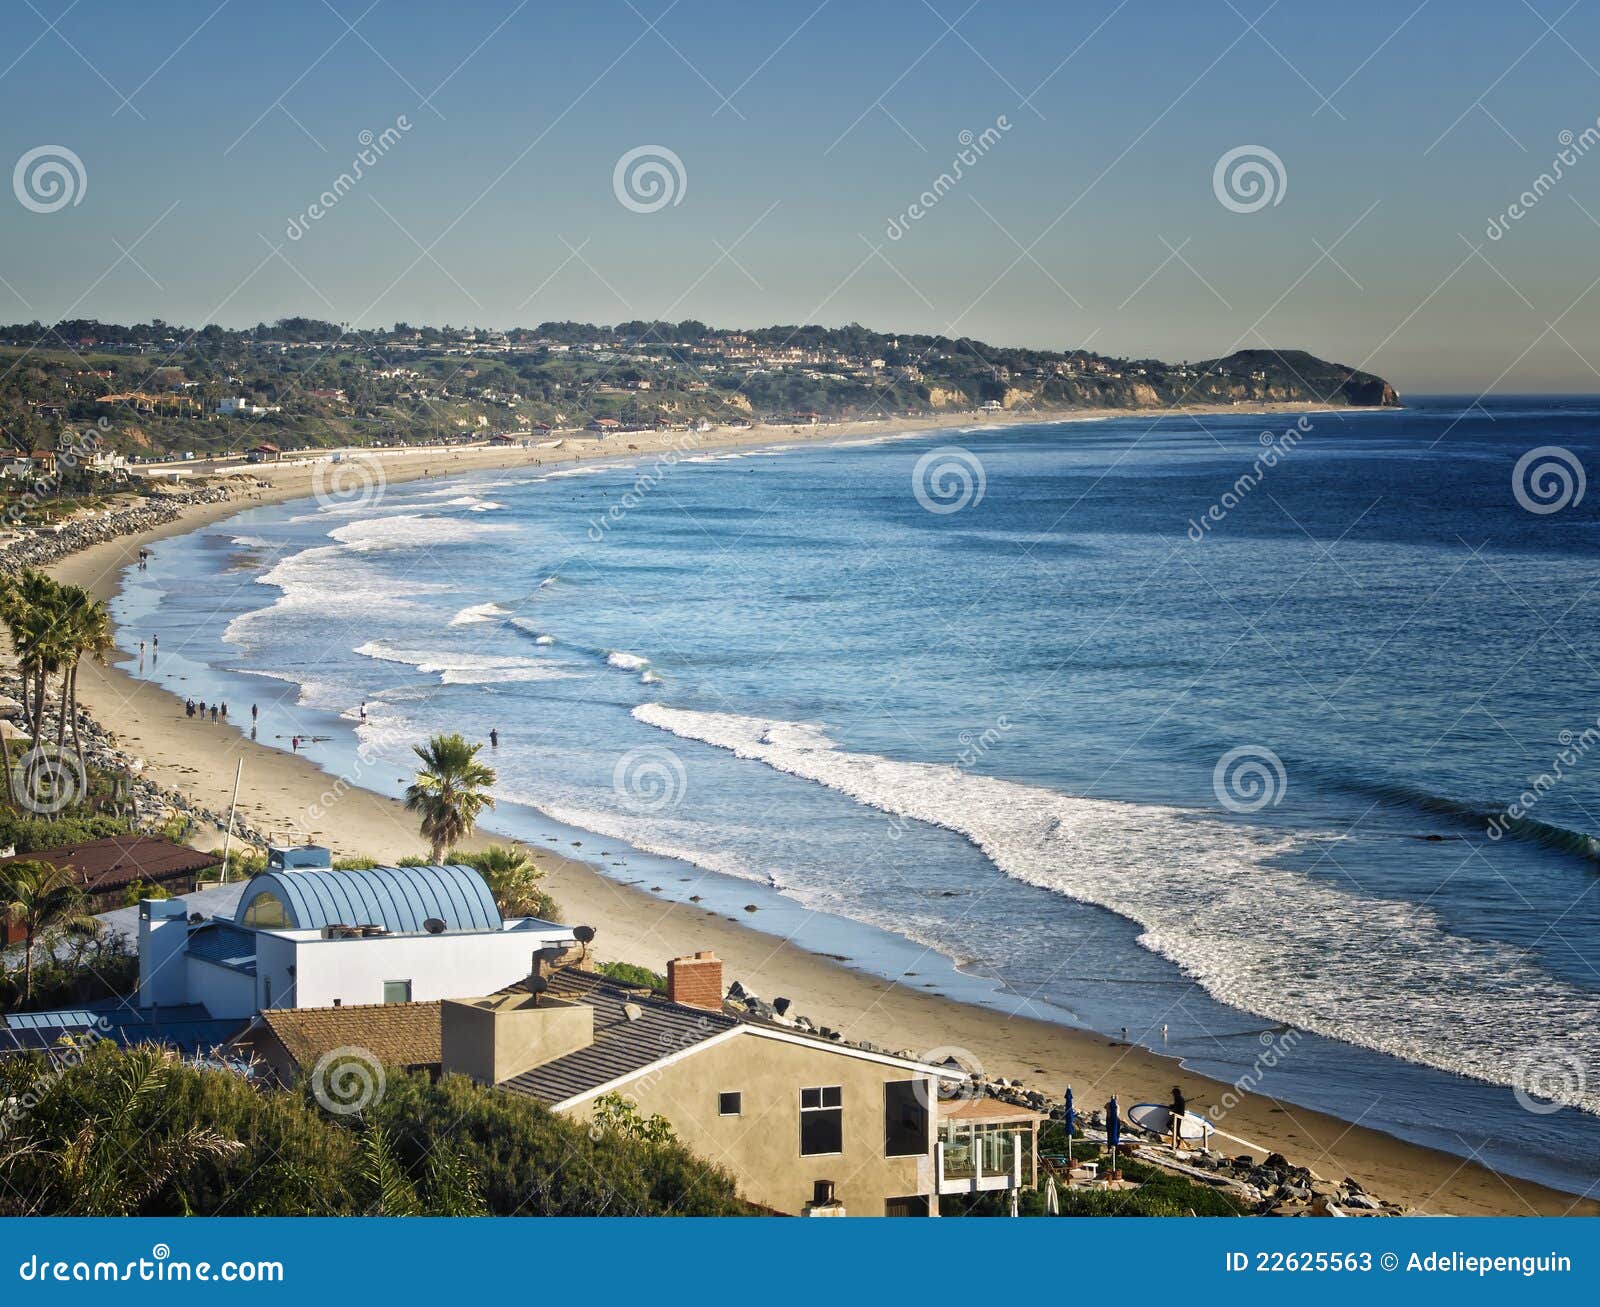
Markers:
{"x": 803, "y": 129}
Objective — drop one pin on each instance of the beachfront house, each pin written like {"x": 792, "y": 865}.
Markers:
{"x": 307, "y": 936}
{"x": 807, "y": 1125}
{"x": 106, "y": 871}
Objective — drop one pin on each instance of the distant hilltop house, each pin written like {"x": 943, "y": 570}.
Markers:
{"x": 237, "y": 407}
{"x": 26, "y": 467}
{"x": 806, "y": 1124}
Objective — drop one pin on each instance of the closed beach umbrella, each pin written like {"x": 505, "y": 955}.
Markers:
{"x": 1113, "y": 1129}
{"x": 1052, "y": 1204}
{"x": 1069, "y": 1125}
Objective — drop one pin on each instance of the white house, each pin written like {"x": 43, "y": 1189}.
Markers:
{"x": 306, "y": 936}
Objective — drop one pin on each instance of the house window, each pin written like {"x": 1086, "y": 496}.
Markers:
{"x": 730, "y": 1104}
{"x": 266, "y": 991}
{"x": 905, "y": 1118}
{"x": 397, "y": 991}
{"x": 821, "y": 1121}
{"x": 266, "y": 912}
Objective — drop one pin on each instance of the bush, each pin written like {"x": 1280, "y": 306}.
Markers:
{"x": 630, "y": 973}
{"x": 140, "y": 1132}
{"x": 30, "y": 834}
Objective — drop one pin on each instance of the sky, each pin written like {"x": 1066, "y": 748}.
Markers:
{"x": 793, "y": 149}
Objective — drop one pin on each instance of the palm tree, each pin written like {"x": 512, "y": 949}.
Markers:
{"x": 107, "y": 1162}
{"x": 36, "y": 896}
{"x": 512, "y": 876}
{"x": 450, "y": 790}
{"x": 91, "y": 635}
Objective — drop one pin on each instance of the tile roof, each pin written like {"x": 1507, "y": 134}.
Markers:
{"x": 119, "y": 860}
{"x": 397, "y": 1034}
{"x": 620, "y": 1046}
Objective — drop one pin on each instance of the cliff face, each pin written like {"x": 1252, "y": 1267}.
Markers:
{"x": 1293, "y": 374}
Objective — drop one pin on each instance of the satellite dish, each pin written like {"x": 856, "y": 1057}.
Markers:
{"x": 434, "y": 926}
{"x": 583, "y": 934}
{"x": 536, "y": 984}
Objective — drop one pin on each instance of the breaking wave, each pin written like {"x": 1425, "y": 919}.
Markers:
{"x": 1213, "y": 898}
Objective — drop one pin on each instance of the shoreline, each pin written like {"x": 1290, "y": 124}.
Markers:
{"x": 638, "y": 926}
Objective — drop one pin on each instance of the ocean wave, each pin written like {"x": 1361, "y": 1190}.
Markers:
{"x": 1211, "y": 897}
{"x": 412, "y": 531}
{"x": 527, "y": 626}
{"x": 628, "y": 662}
{"x": 650, "y": 677}
{"x": 252, "y": 542}
{"x": 318, "y": 582}
{"x": 456, "y": 668}
{"x": 479, "y": 613}
{"x": 473, "y": 503}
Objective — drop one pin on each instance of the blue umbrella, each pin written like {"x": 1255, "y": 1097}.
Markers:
{"x": 1113, "y": 1130}
{"x": 1070, "y": 1116}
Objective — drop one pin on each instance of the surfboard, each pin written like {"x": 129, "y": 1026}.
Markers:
{"x": 1157, "y": 1117}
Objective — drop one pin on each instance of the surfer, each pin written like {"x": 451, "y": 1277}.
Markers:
{"x": 1179, "y": 1108}
{"x": 494, "y": 738}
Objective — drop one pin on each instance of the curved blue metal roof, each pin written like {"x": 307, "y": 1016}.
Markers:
{"x": 398, "y": 898}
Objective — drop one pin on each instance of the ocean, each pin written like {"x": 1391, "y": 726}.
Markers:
{"x": 1210, "y": 729}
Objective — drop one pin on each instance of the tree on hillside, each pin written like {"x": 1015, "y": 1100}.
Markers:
{"x": 450, "y": 790}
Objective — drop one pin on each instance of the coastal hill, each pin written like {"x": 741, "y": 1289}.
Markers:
{"x": 155, "y": 389}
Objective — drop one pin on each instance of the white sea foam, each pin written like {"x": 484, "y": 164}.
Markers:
{"x": 628, "y": 662}
{"x": 412, "y": 531}
{"x": 458, "y": 668}
{"x": 527, "y": 627}
{"x": 320, "y": 583}
{"x": 479, "y": 613}
{"x": 252, "y": 542}
{"x": 650, "y": 677}
{"x": 1211, "y": 898}
{"x": 474, "y": 503}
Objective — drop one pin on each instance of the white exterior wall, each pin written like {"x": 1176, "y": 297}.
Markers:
{"x": 224, "y": 991}
{"x": 438, "y": 966}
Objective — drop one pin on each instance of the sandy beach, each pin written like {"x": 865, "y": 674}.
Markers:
{"x": 637, "y": 926}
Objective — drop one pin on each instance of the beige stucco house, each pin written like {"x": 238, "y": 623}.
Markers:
{"x": 806, "y": 1125}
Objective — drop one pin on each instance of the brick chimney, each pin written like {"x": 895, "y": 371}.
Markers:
{"x": 696, "y": 981}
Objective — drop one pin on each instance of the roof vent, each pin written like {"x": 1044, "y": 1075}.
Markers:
{"x": 633, "y": 1011}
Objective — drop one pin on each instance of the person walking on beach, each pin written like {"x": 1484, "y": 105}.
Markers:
{"x": 494, "y": 738}
{"x": 202, "y": 707}
{"x": 224, "y": 712}
{"x": 213, "y": 712}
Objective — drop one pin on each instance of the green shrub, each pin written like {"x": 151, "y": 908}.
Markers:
{"x": 30, "y": 834}
{"x": 630, "y": 973}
